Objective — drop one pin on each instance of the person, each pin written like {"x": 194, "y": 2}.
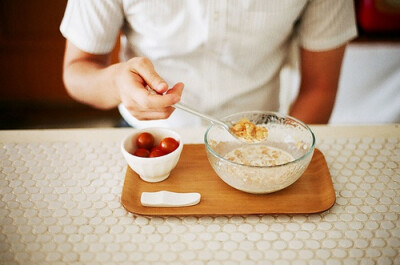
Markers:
{"x": 219, "y": 57}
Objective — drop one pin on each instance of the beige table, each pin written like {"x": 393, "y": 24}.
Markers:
{"x": 60, "y": 204}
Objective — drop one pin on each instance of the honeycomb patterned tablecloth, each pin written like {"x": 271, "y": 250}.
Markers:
{"x": 60, "y": 204}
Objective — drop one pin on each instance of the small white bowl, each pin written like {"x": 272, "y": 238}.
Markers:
{"x": 152, "y": 169}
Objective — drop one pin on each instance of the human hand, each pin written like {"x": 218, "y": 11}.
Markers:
{"x": 136, "y": 81}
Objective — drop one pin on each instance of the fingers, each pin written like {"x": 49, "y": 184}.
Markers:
{"x": 142, "y": 103}
{"x": 177, "y": 89}
{"x": 151, "y": 101}
{"x": 152, "y": 115}
{"x": 143, "y": 67}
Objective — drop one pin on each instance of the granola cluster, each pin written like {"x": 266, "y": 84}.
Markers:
{"x": 249, "y": 131}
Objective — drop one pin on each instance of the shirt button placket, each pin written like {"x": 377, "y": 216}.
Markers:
{"x": 216, "y": 33}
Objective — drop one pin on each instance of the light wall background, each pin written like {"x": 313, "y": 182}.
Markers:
{"x": 369, "y": 87}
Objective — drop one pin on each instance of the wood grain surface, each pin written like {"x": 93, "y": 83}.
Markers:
{"x": 312, "y": 193}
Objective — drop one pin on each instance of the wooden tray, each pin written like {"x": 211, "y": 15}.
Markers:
{"x": 312, "y": 193}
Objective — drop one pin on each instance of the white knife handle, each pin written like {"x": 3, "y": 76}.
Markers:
{"x": 169, "y": 199}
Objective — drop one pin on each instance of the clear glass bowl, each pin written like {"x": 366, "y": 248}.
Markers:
{"x": 284, "y": 132}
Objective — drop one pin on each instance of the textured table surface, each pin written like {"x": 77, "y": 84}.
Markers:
{"x": 60, "y": 203}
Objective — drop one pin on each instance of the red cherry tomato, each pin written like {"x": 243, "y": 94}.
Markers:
{"x": 155, "y": 147}
{"x": 169, "y": 144}
{"x": 145, "y": 140}
{"x": 156, "y": 152}
{"x": 142, "y": 152}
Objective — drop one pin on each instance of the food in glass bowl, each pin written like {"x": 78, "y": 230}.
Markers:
{"x": 261, "y": 167}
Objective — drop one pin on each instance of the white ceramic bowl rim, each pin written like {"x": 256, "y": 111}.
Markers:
{"x": 309, "y": 151}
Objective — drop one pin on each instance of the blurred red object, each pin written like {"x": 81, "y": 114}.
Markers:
{"x": 378, "y": 16}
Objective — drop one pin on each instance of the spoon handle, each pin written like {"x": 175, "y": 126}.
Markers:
{"x": 201, "y": 115}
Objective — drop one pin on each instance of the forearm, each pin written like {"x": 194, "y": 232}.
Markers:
{"x": 92, "y": 83}
{"x": 314, "y": 107}
{"x": 91, "y": 79}
{"x": 320, "y": 72}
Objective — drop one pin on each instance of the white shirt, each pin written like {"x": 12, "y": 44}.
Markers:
{"x": 227, "y": 53}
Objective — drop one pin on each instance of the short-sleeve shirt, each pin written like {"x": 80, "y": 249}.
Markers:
{"x": 227, "y": 53}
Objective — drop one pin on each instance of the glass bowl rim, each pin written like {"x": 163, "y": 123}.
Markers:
{"x": 309, "y": 151}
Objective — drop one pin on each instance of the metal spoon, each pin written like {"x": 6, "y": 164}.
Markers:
{"x": 204, "y": 116}
{"x": 225, "y": 125}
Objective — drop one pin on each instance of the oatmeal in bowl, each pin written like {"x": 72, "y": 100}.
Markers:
{"x": 266, "y": 166}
